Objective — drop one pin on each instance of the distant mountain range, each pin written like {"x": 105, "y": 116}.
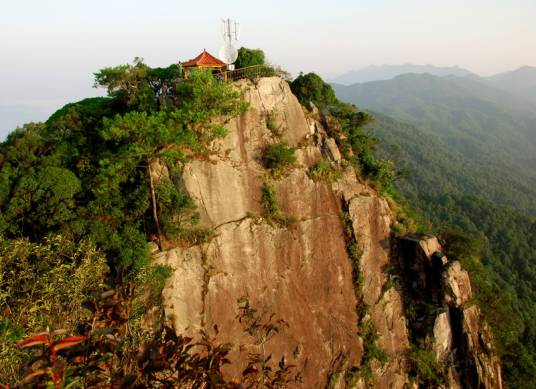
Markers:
{"x": 387, "y": 72}
{"x": 488, "y": 122}
{"x": 520, "y": 82}
{"x": 467, "y": 146}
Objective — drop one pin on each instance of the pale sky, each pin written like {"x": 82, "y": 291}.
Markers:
{"x": 50, "y": 48}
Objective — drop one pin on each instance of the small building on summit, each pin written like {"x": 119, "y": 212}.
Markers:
{"x": 204, "y": 61}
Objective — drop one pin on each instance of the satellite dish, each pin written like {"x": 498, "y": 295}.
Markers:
{"x": 228, "y": 53}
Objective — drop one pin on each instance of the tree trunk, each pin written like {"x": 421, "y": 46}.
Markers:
{"x": 153, "y": 205}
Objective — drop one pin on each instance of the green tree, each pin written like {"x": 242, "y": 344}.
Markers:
{"x": 91, "y": 169}
{"x": 139, "y": 139}
{"x": 278, "y": 155}
{"x": 140, "y": 87}
{"x": 346, "y": 125}
{"x": 310, "y": 88}
{"x": 249, "y": 57}
{"x": 37, "y": 193}
{"x": 129, "y": 83}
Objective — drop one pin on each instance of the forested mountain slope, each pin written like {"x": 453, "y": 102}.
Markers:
{"x": 520, "y": 82}
{"x": 465, "y": 201}
{"x": 491, "y": 128}
{"x": 436, "y": 168}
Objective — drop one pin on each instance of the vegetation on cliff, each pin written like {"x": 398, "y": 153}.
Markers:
{"x": 346, "y": 125}
{"x": 490, "y": 130}
{"x": 87, "y": 171}
{"x": 81, "y": 194}
{"x": 495, "y": 242}
{"x": 249, "y": 57}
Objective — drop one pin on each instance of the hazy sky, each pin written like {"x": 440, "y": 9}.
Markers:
{"x": 50, "y": 48}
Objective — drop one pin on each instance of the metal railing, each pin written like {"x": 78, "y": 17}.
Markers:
{"x": 249, "y": 72}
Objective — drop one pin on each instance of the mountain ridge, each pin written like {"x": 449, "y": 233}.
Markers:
{"x": 386, "y": 72}
{"x": 459, "y": 199}
{"x": 520, "y": 82}
{"x": 492, "y": 128}
{"x": 226, "y": 216}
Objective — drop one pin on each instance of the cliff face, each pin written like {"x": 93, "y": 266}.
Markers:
{"x": 439, "y": 290}
{"x": 292, "y": 291}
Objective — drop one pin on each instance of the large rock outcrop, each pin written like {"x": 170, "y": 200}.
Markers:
{"x": 299, "y": 278}
{"x": 450, "y": 323}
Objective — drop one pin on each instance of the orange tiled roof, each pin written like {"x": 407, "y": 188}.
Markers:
{"x": 204, "y": 59}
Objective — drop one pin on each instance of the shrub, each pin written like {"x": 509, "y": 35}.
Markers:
{"x": 268, "y": 201}
{"x": 310, "y": 88}
{"x": 324, "y": 171}
{"x": 194, "y": 236}
{"x": 176, "y": 212}
{"x": 104, "y": 356}
{"x": 270, "y": 209}
{"x": 345, "y": 124}
{"x": 249, "y": 57}
{"x": 43, "y": 285}
{"x": 278, "y": 156}
{"x": 371, "y": 350}
{"x": 271, "y": 123}
{"x": 353, "y": 250}
{"x": 424, "y": 367}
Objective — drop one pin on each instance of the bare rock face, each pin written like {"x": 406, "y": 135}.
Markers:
{"x": 458, "y": 284}
{"x": 331, "y": 149}
{"x": 429, "y": 245}
{"x": 299, "y": 278}
{"x": 371, "y": 224}
{"x": 300, "y": 274}
{"x": 442, "y": 336}
{"x": 184, "y": 291}
{"x": 454, "y": 329}
{"x": 477, "y": 344}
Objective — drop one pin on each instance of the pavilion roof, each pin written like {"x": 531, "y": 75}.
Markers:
{"x": 203, "y": 59}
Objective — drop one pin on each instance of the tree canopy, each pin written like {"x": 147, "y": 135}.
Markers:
{"x": 311, "y": 88}
{"x": 86, "y": 171}
{"x": 81, "y": 194}
{"x": 496, "y": 243}
{"x": 249, "y": 57}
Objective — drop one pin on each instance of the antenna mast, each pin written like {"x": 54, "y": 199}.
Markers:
{"x": 230, "y": 33}
{"x": 230, "y": 30}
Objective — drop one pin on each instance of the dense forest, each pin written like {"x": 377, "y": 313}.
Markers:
{"x": 495, "y": 242}
{"x": 466, "y": 149}
{"x": 490, "y": 128}
{"x": 78, "y": 204}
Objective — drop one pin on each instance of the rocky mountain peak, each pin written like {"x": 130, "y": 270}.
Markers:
{"x": 324, "y": 286}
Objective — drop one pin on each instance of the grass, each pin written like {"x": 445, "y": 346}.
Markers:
{"x": 270, "y": 209}
{"x": 271, "y": 123}
{"x": 324, "y": 171}
{"x": 424, "y": 367}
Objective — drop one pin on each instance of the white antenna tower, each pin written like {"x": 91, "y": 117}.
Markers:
{"x": 228, "y": 52}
